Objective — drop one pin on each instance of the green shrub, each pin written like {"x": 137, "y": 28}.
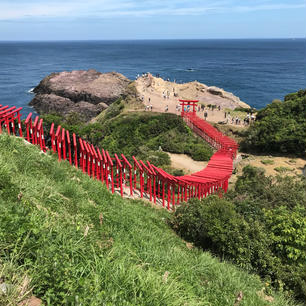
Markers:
{"x": 280, "y": 127}
{"x": 200, "y": 152}
{"x": 287, "y": 231}
{"x": 114, "y": 109}
{"x": 138, "y": 134}
{"x": 260, "y": 226}
{"x": 214, "y": 225}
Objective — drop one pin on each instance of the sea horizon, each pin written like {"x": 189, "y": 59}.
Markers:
{"x": 151, "y": 39}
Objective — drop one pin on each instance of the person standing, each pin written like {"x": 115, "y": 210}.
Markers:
{"x": 205, "y": 115}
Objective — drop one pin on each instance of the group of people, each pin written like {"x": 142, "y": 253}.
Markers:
{"x": 166, "y": 94}
{"x": 149, "y": 107}
{"x": 236, "y": 120}
{"x": 250, "y": 117}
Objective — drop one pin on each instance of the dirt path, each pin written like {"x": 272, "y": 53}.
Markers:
{"x": 186, "y": 163}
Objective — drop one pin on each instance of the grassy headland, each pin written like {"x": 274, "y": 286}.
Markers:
{"x": 80, "y": 245}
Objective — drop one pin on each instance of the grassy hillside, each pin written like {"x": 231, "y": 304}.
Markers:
{"x": 79, "y": 245}
{"x": 138, "y": 133}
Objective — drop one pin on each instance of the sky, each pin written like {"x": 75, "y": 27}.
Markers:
{"x": 151, "y": 19}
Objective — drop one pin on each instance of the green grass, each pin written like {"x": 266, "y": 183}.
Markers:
{"x": 141, "y": 134}
{"x": 80, "y": 245}
{"x": 267, "y": 161}
{"x": 282, "y": 169}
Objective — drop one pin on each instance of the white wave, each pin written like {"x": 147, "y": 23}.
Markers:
{"x": 31, "y": 90}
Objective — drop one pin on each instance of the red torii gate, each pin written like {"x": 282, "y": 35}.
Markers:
{"x": 192, "y": 103}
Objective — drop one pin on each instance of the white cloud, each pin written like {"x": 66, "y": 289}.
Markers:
{"x": 108, "y": 8}
{"x": 268, "y": 7}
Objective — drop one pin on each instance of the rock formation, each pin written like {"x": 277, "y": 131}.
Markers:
{"x": 90, "y": 92}
{"x": 84, "y": 92}
{"x": 192, "y": 90}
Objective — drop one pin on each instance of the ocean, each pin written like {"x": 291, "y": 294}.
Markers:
{"x": 256, "y": 70}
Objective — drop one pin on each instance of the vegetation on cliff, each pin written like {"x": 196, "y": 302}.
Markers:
{"x": 80, "y": 245}
{"x": 138, "y": 133}
{"x": 260, "y": 226}
{"x": 280, "y": 127}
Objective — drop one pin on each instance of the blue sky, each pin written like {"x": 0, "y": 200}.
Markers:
{"x": 151, "y": 19}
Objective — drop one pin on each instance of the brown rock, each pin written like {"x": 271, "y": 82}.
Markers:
{"x": 51, "y": 103}
{"x": 86, "y": 92}
{"x": 32, "y": 301}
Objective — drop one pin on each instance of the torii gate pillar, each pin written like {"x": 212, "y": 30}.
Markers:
{"x": 192, "y": 103}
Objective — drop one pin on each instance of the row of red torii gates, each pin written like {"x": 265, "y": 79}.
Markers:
{"x": 134, "y": 176}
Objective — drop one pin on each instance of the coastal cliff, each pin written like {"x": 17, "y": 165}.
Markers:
{"x": 85, "y": 92}
{"x": 90, "y": 92}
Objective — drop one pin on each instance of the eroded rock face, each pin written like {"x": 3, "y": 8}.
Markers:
{"x": 51, "y": 103}
{"x": 84, "y": 92}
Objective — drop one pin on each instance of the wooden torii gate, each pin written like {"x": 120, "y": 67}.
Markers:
{"x": 189, "y": 103}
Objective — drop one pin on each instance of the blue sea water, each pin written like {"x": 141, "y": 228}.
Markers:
{"x": 257, "y": 71}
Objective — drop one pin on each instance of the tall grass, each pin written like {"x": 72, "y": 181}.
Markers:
{"x": 80, "y": 245}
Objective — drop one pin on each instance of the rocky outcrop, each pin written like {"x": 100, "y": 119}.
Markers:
{"x": 226, "y": 95}
{"x": 195, "y": 90}
{"x": 51, "y": 103}
{"x": 85, "y": 92}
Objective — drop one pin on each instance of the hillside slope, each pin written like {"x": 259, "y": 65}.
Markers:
{"x": 80, "y": 245}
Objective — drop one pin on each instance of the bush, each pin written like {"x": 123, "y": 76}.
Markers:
{"x": 114, "y": 109}
{"x": 214, "y": 225}
{"x": 138, "y": 134}
{"x": 280, "y": 127}
{"x": 127, "y": 133}
{"x": 200, "y": 152}
{"x": 260, "y": 226}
